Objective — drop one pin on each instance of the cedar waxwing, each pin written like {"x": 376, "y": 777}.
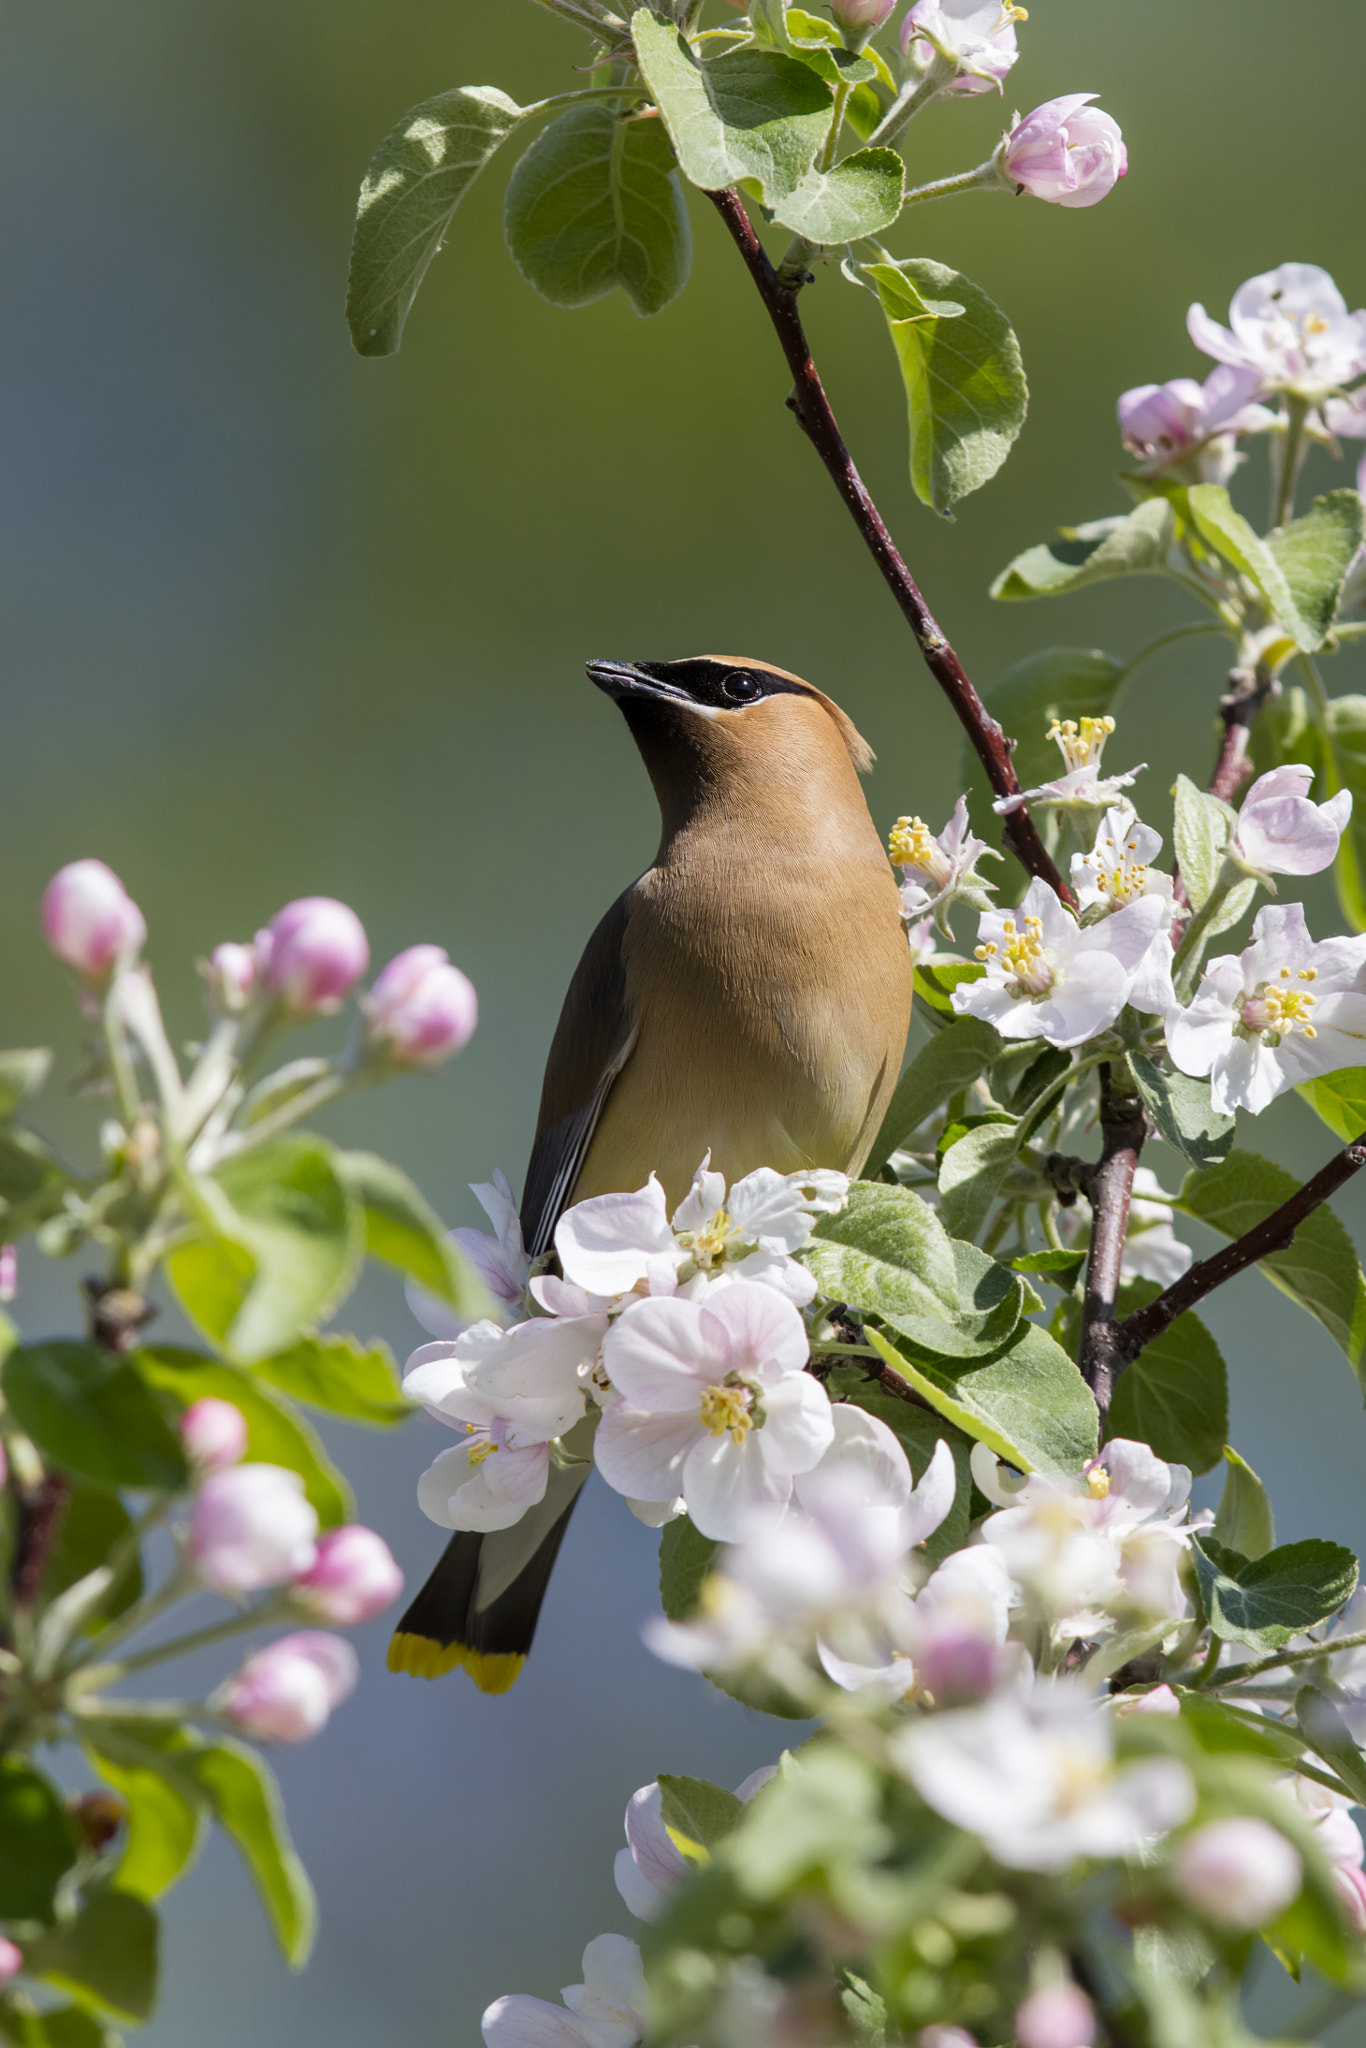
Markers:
{"x": 749, "y": 995}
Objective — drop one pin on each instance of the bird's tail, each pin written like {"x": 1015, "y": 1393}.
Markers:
{"x": 479, "y": 1608}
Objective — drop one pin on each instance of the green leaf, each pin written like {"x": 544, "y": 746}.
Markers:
{"x": 22, "y": 1073}
{"x": 94, "y": 1521}
{"x": 918, "y": 1430}
{"x": 417, "y": 177}
{"x": 823, "y": 1812}
{"x": 1265, "y": 1601}
{"x": 686, "y": 1559}
{"x": 1330, "y": 1738}
{"x": 32, "y": 1184}
{"x": 1231, "y": 537}
{"x": 745, "y": 114}
{"x": 1314, "y": 555}
{"x": 403, "y": 1229}
{"x": 166, "y": 1813}
{"x": 1184, "y": 1114}
{"x": 1347, "y": 765}
{"x": 1202, "y": 832}
{"x": 858, "y": 197}
{"x": 1174, "y": 1397}
{"x": 342, "y": 1377}
{"x": 91, "y": 1414}
{"x": 887, "y": 1254}
{"x": 37, "y": 1841}
{"x": 1245, "y": 1522}
{"x": 1223, "y": 1729}
{"x": 275, "y": 1436}
{"x": 1318, "y": 1269}
{"x": 1339, "y": 1099}
{"x": 1061, "y": 1268}
{"x": 815, "y": 42}
{"x": 245, "y": 1799}
{"x": 301, "y": 1227}
{"x": 595, "y": 205}
{"x": 1029, "y": 1403}
{"x": 66, "y": 2026}
{"x": 972, "y": 1173}
{"x": 864, "y": 2010}
{"x": 106, "y": 1957}
{"x": 950, "y": 1062}
{"x": 934, "y": 986}
{"x": 965, "y": 384}
{"x": 1138, "y": 544}
{"x": 697, "y": 1814}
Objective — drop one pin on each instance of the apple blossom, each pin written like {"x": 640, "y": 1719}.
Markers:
{"x": 1035, "y": 1776}
{"x": 1081, "y": 787}
{"x": 715, "y": 1404}
{"x": 421, "y": 1010}
{"x": 89, "y": 919}
{"x": 1280, "y": 1012}
{"x": 11, "y": 1960}
{"x": 1159, "y": 1700}
{"x": 286, "y": 1692}
{"x": 1047, "y": 976}
{"x": 1120, "y": 869}
{"x": 605, "y": 2011}
{"x": 1056, "y": 2016}
{"x": 501, "y": 1261}
{"x": 231, "y": 975}
{"x": 861, "y": 17}
{"x": 1239, "y": 1873}
{"x": 9, "y": 1272}
{"x": 312, "y": 954}
{"x": 944, "y": 2037}
{"x": 1066, "y": 151}
{"x": 972, "y": 41}
{"x": 1280, "y": 832}
{"x": 213, "y": 1434}
{"x": 353, "y": 1578}
{"x": 1291, "y": 326}
{"x": 1190, "y": 427}
{"x": 251, "y": 1526}
{"x": 650, "y": 1869}
{"x": 938, "y": 872}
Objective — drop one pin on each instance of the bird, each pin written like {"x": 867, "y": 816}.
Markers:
{"x": 749, "y": 995}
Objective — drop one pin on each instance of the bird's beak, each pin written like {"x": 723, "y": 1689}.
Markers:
{"x": 621, "y": 679}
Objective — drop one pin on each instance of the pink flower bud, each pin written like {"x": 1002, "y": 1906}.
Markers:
{"x": 1056, "y": 2017}
{"x": 861, "y": 17}
{"x": 231, "y": 977}
{"x": 213, "y": 1434}
{"x": 11, "y": 1960}
{"x": 1160, "y": 1700}
{"x": 9, "y": 1271}
{"x": 89, "y": 919}
{"x": 421, "y": 1009}
{"x": 1066, "y": 151}
{"x": 944, "y": 2037}
{"x": 1238, "y": 1873}
{"x": 957, "y": 1665}
{"x": 1350, "y": 1885}
{"x": 354, "y": 1577}
{"x": 312, "y": 954}
{"x": 251, "y": 1527}
{"x": 286, "y": 1692}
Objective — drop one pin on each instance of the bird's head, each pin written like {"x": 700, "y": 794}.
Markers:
{"x": 722, "y": 726}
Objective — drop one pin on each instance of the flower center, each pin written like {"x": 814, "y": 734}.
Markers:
{"x": 483, "y": 1448}
{"x": 911, "y": 844}
{"x": 1119, "y": 875}
{"x": 1028, "y": 968}
{"x": 709, "y": 1244}
{"x": 1278, "y": 1009}
{"x": 1098, "y": 1482}
{"x": 1082, "y": 744}
{"x": 727, "y": 1410}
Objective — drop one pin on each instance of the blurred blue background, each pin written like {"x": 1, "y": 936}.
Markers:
{"x": 280, "y": 621}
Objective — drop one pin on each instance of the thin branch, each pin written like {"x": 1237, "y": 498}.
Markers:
{"x": 1100, "y": 1354}
{"x": 1248, "y": 690}
{"x": 817, "y": 421}
{"x": 1272, "y": 1234}
{"x": 1239, "y": 1674}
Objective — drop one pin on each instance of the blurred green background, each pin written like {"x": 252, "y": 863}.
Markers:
{"x": 279, "y": 621}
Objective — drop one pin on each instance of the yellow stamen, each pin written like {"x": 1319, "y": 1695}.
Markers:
{"x": 725, "y": 1411}
{"x": 1082, "y": 743}
{"x": 1098, "y": 1482}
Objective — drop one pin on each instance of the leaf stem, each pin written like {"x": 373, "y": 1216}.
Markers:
{"x": 263, "y": 1616}
{"x": 1286, "y": 459}
{"x": 904, "y": 108}
{"x": 1197, "y": 626}
{"x": 813, "y": 412}
{"x": 1239, "y": 1674}
{"x": 985, "y": 178}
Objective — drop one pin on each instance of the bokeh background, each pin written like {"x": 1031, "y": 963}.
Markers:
{"x": 279, "y": 621}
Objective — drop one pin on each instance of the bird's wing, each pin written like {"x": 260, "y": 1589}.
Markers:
{"x": 592, "y": 1044}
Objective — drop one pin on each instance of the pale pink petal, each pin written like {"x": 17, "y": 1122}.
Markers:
{"x": 642, "y": 1454}
{"x": 724, "y": 1481}
{"x": 748, "y": 1326}
{"x": 797, "y": 1428}
{"x": 659, "y": 1355}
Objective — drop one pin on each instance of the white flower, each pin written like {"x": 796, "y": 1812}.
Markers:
{"x": 1292, "y": 326}
{"x": 715, "y": 1404}
{"x": 1035, "y": 1777}
{"x": 1274, "y": 1015}
{"x": 973, "y": 39}
{"x": 649, "y": 1869}
{"x": 1280, "y": 832}
{"x": 1105, "y": 1545}
{"x": 1117, "y": 871}
{"x": 937, "y": 872}
{"x": 500, "y": 1261}
{"x": 1081, "y": 787}
{"x": 1240, "y": 1873}
{"x": 1193, "y": 427}
{"x": 605, "y": 2011}
{"x": 1152, "y": 1249}
{"x": 1049, "y": 977}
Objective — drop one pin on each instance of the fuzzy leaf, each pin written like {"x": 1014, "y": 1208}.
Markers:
{"x": 1314, "y": 555}
{"x": 1138, "y": 544}
{"x": 1183, "y": 1112}
{"x": 1245, "y": 1522}
{"x": 92, "y": 1415}
{"x": 948, "y": 1063}
{"x": 1029, "y": 1403}
{"x": 746, "y": 114}
{"x": 860, "y": 196}
{"x": 1339, "y": 1099}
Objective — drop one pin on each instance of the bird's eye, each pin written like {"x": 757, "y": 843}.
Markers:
{"x": 741, "y": 689}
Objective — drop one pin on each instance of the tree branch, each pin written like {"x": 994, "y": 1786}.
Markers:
{"x": 1248, "y": 690}
{"x": 1100, "y": 1353}
{"x": 818, "y": 423}
{"x": 1272, "y": 1234}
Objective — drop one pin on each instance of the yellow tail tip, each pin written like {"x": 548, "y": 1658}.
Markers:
{"x": 493, "y": 1674}
{"x": 420, "y": 1657}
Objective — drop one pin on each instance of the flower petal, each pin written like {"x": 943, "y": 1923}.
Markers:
{"x": 724, "y": 1481}
{"x": 797, "y": 1428}
{"x": 642, "y": 1454}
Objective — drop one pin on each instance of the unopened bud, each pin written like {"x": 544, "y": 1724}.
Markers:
{"x": 1160, "y": 1699}
{"x": 213, "y": 1434}
{"x": 861, "y": 17}
{"x": 421, "y": 1009}
{"x": 353, "y": 1579}
{"x": 9, "y": 1272}
{"x": 1058, "y": 2016}
{"x": 312, "y": 954}
{"x": 286, "y": 1692}
{"x": 89, "y": 919}
{"x": 1350, "y": 1885}
{"x": 250, "y": 1527}
{"x": 11, "y": 1960}
{"x": 1066, "y": 151}
{"x": 98, "y": 1817}
{"x": 231, "y": 977}
{"x": 1238, "y": 1873}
